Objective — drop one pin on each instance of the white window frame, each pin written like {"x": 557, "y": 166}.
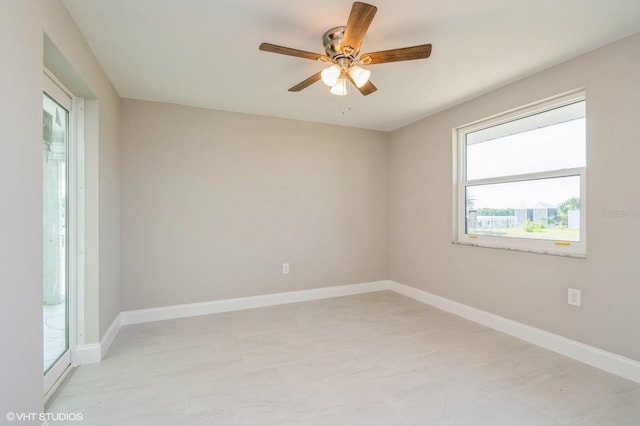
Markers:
{"x": 556, "y": 247}
{"x": 76, "y": 223}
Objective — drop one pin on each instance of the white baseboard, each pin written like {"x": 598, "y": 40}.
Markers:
{"x": 94, "y": 352}
{"x": 607, "y": 361}
{"x": 110, "y": 335}
{"x": 227, "y": 305}
{"x": 86, "y": 354}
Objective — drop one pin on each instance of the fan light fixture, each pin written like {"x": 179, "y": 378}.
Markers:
{"x": 333, "y": 77}
{"x": 340, "y": 88}
{"x": 342, "y": 54}
{"x": 360, "y": 76}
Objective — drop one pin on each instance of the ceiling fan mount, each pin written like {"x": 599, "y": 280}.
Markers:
{"x": 342, "y": 48}
{"x": 332, "y": 40}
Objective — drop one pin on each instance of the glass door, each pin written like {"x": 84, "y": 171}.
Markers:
{"x": 55, "y": 137}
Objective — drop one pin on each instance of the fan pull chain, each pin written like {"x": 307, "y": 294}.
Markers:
{"x": 347, "y": 100}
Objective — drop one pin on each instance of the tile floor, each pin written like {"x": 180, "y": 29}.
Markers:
{"x": 371, "y": 359}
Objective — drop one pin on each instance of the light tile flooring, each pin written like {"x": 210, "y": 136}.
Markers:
{"x": 371, "y": 359}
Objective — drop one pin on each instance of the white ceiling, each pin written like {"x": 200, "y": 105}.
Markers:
{"x": 205, "y": 52}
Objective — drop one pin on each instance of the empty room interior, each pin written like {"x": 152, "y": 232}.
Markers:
{"x": 320, "y": 212}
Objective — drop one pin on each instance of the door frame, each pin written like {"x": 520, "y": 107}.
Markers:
{"x": 75, "y": 227}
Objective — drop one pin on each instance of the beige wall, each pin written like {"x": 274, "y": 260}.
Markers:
{"x": 23, "y": 25}
{"x": 84, "y": 74}
{"x": 215, "y": 202}
{"x": 210, "y": 209}
{"x": 527, "y": 287}
{"x": 21, "y": 212}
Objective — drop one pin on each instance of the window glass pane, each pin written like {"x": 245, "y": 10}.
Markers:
{"x": 547, "y": 209}
{"x": 551, "y": 140}
{"x": 55, "y": 133}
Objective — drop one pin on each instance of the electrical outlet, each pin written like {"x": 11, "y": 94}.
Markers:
{"x": 574, "y": 297}
{"x": 285, "y": 268}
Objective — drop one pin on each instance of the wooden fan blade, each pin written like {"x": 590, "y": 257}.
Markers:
{"x": 366, "y": 89}
{"x": 359, "y": 20}
{"x": 306, "y": 83}
{"x": 268, "y": 47}
{"x": 403, "y": 54}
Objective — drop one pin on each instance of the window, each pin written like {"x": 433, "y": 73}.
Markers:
{"x": 520, "y": 180}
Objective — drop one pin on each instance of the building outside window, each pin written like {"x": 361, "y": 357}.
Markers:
{"x": 521, "y": 178}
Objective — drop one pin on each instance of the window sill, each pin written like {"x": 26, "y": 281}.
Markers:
{"x": 524, "y": 250}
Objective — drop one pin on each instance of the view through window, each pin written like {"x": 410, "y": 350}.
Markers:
{"x": 522, "y": 178}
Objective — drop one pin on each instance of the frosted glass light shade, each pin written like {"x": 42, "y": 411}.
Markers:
{"x": 359, "y": 75}
{"x": 340, "y": 88}
{"x": 331, "y": 75}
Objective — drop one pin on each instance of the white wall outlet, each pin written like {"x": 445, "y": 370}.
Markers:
{"x": 285, "y": 268}
{"x": 574, "y": 297}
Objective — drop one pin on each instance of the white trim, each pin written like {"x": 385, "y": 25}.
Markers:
{"x": 76, "y": 204}
{"x": 237, "y": 304}
{"x": 92, "y": 353}
{"x": 110, "y": 335}
{"x": 57, "y": 383}
{"x": 56, "y": 91}
{"x": 576, "y": 171}
{"x": 533, "y": 108}
{"x": 86, "y": 354}
{"x": 65, "y": 92}
{"x": 607, "y": 361}
{"x": 471, "y": 243}
{"x": 55, "y": 373}
{"x": 461, "y": 234}
{"x": 77, "y": 225}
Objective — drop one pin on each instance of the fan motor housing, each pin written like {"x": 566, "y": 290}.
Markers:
{"x": 332, "y": 41}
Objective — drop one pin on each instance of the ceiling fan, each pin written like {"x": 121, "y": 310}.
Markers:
{"x": 342, "y": 48}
